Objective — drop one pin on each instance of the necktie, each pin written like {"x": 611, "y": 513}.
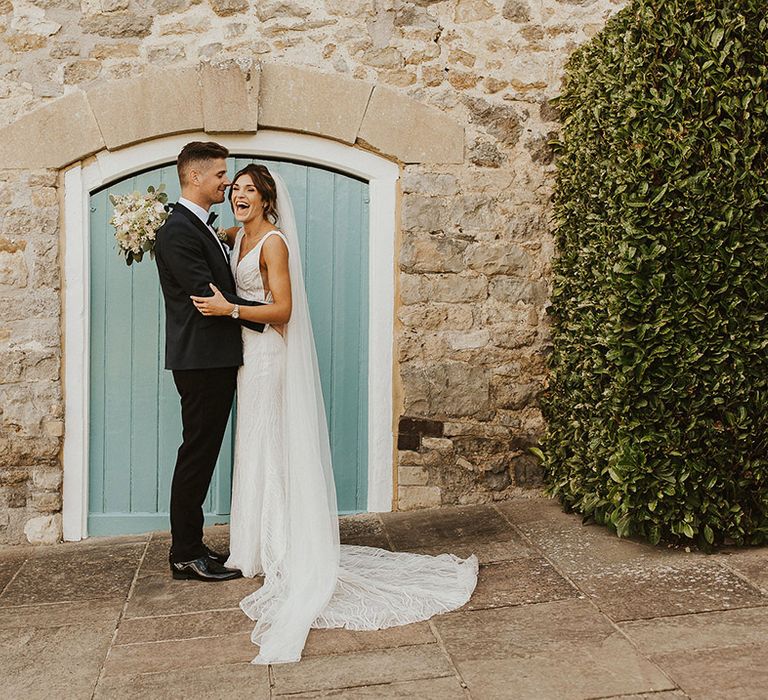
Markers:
{"x": 211, "y": 218}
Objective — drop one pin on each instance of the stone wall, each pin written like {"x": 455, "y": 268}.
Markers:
{"x": 474, "y": 246}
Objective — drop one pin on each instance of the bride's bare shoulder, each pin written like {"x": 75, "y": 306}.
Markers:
{"x": 276, "y": 243}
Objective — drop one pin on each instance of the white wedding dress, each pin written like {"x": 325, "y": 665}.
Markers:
{"x": 283, "y": 520}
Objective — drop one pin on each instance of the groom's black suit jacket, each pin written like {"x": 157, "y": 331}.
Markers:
{"x": 188, "y": 259}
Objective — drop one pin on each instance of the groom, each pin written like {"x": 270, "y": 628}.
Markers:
{"x": 203, "y": 352}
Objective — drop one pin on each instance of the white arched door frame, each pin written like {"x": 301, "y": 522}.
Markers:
{"x": 106, "y": 167}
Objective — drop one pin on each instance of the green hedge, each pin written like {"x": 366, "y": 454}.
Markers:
{"x": 657, "y": 406}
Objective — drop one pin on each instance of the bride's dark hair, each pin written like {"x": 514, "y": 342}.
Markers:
{"x": 264, "y": 183}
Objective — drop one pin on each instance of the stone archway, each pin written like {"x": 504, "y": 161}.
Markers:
{"x": 107, "y": 120}
{"x": 112, "y": 115}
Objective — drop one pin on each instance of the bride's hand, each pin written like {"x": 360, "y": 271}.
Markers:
{"x": 216, "y": 305}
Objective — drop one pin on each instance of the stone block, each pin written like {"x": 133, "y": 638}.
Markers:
{"x": 154, "y": 104}
{"x": 81, "y": 71}
{"x": 312, "y": 102}
{"x": 45, "y": 529}
{"x": 468, "y": 340}
{"x": 440, "y": 444}
{"x": 449, "y": 288}
{"x": 55, "y": 428}
{"x": 52, "y": 136}
{"x": 413, "y": 497}
{"x": 46, "y": 502}
{"x": 496, "y": 258}
{"x": 226, "y": 8}
{"x": 516, "y": 11}
{"x": 426, "y": 253}
{"x": 473, "y": 11}
{"x": 266, "y": 11}
{"x": 409, "y": 131}
{"x": 428, "y": 213}
{"x": 412, "y": 476}
{"x": 409, "y": 458}
{"x": 166, "y": 7}
{"x": 512, "y": 290}
{"x": 46, "y": 479}
{"x": 529, "y": 472}
{"x": 430, "y": 183}
{"x": 230, "y": 99}
{"x": 441, "y": 389}
{"x": 16, "y": 497}
{"x": 13, "y": 269}
{"x": 118, "y": 25}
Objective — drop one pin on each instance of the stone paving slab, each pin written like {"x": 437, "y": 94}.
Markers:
{"x": 359, "y": 669}
{"x": 80, "y": 613}
{"x": 341, "y": 641}
{"x": 663, "y": 695}
{"x": 233, "y": 680}
{"x": 478, "y": 530}
{"x": 520, "y": 631}
{"x": 564, "y": 649}
{"x": 699, "y": 631}
{"x": 158, "y": 594}
{"x": 727, "y": 673}
{"x": 445, "y": 688}
{"x": 93, "y": 572}
{"x": 486, "y": 552}
{"x": 9, "y": 566}
{"x": 562, "y": 610}
{"x": 517, "y": 582}
{"x": 363, "y": 530}
{"x": 53, "y": 662}
{"x": 636, "y": 590}
{"x": 178, "y": 654}
{"x": 751, "y": 563}
{"x": 531, "y": 510}
{"x": 581, "y": 550}
{"x": 213, "y": 623}
{"x": 446, "y": 527}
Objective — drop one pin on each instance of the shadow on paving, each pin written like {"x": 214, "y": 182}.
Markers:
{"x": 561, "y": 610}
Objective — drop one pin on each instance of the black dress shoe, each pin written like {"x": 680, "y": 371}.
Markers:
{"x": 220, "y": 558}
{"x": 203, "y": 569}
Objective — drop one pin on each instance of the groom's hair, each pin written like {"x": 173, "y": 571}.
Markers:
{"x": 195, "y": 153}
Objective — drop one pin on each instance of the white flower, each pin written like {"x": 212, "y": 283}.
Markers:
{"x": 136, "y": 219}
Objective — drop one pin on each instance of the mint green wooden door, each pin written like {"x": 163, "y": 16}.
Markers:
{"x": 135, "y": 423}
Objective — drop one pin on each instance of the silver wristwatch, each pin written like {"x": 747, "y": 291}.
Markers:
{"x": 235, "y": 312}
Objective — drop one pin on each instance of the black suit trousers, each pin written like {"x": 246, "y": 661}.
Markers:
{"x": 206, "y": 401}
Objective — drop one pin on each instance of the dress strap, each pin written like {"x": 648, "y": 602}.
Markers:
{"x": 279, "y": 233}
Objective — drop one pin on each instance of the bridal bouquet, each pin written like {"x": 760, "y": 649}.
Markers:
{"x": 136, "y": 219}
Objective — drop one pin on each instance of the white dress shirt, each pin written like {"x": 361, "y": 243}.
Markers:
{"x": 202, "y": 214}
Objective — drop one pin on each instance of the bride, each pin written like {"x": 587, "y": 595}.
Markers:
{"x": 283, "y": 519}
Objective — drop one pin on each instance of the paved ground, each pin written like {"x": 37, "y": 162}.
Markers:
{"x": 561, "y": 611}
